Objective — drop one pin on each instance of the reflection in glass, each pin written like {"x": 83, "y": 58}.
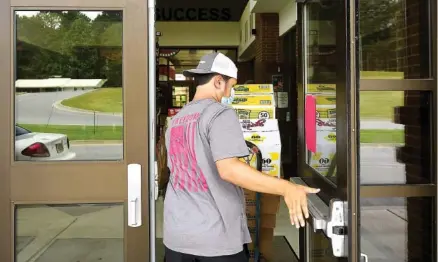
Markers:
{"x": 397, "y": 229}
{"x": 320, "y": 247}
{"x": 180, "y": 96}
{"x": 394, "y": 39}
{"x": 68, "y": 85}
{"x": 320, "y": 89}
{"x": 58, "y": 233}
{"x": 395, "y": 137}
{"x": 189, "y": 56}
{"x": 174, "y": 61}
{"x": 166, "y": 70}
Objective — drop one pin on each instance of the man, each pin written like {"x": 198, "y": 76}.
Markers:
{"x": 204, "y": 208}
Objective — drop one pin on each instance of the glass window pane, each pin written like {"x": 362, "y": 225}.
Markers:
{"x": 394, "y": 37}
{"x": 395, "y": 137}
{"x": 189, "y": 56}
{"x": 398, "y": 229}
{"x": 64, "y": 233}
{"x": 180, "y": 96}
{"x": 320, "y": 248}
{"x": 68, "y": 85}
{"x": 321, "y": 67}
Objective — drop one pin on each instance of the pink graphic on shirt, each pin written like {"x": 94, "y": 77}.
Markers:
{"x": 185, "y": 172}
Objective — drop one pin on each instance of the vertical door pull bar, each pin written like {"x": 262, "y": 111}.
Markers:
{"x": 134, "y": 195}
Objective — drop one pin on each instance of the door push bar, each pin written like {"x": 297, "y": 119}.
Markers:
{"x": 331, "y": 220}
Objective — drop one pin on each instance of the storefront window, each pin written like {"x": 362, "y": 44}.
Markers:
{"x": 394, "y": 39}
{"x": 320, "y": 86}
{"x": 397, "y": 228}
{"x": 395, "y": 137}
{"x": 69, "y": 85}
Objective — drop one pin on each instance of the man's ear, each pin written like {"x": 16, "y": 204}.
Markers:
{"x": 216, "y": 81}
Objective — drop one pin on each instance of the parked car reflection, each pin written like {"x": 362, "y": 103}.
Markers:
{"x": 33, "y": 146}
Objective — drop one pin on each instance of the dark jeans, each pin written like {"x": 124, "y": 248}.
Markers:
{"x": 173, "y": 256}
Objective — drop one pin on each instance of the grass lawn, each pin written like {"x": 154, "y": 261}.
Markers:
{"x": 108, "y": 100}
{"x": 75, "y": 132}
{"x": 382, "y": 136}
{"x": 379, "y": 104}
{"x": 373, "y": 104}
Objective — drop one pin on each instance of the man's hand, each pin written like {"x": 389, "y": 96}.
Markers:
{"x": 295, "y": 197}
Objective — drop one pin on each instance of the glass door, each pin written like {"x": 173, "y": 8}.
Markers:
{"x": 74, "y": 143}
{"x": 327, "y": 123}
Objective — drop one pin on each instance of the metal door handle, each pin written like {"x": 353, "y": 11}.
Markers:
{"x": 329, "y": 219}
{"x": 134, "y": 195}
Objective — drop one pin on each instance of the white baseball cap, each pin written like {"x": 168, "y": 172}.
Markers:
{"x": 214, "y": 63}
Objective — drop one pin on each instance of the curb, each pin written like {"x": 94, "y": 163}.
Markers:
{"x": 96, "y": 142}
{"x": 380, "y": 144}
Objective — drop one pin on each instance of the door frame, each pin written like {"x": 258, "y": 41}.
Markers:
{"x": 73, "y": 180}
{"x": 357, "y": 85}
{"x": 346, "y": 187}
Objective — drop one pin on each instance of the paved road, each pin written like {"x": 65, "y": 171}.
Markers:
{"x": 38, "y": 108}
{"x": 379, "y": 124}
{"x": 378, "y": 164}
{"x": 98, "y": 152}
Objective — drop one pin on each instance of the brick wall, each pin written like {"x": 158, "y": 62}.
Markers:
{"x": 415, "y": 116}
{"x": 267, "y": 47}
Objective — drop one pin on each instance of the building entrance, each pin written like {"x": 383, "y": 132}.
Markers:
{"x": 86, "y": 94}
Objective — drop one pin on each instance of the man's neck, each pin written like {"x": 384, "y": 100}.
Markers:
{"x": 203, "y": 95}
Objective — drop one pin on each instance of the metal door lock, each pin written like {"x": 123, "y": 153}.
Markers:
{"x": 336, "y": 227}
{"x": 333, "y": 221}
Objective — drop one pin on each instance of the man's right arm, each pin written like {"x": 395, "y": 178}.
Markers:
{"x": 238, "y": 173}
{"x": 228, "y": 145}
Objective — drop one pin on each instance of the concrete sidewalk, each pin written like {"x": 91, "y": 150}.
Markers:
{"x": 89, "y": 233}
{"x": 71, "y": 233}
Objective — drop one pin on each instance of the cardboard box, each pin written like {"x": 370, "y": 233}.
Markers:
{"x": 321, "y": 88}
{"x": 254, "y": 89}
{"x": 266, "y": 136}
{"x": 266, "y": 238}
{"x": 266, "y": 221}
{"x": 322, "y": 159}
{"x": 270, "y": 204}
{"x": 254, "y": 100}
{"x": 255, "y": 112}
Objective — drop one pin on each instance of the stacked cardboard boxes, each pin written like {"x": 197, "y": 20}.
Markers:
{"x": 269, "y": 205}
{"x": 265, "y": 134}
{"x": 325, "y": 95}
{"x": 254, "y": 101}
{"x": 255, "y": 106}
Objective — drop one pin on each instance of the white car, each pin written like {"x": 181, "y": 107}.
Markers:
{"x": 41, "y": 146}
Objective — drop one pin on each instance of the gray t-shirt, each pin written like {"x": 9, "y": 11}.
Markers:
{"x": 204, "y": 215}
